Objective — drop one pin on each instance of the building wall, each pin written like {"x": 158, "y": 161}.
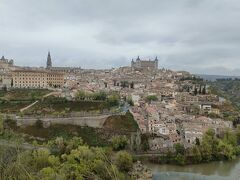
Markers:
{"x": 36, "y": 79}
{"x": 29, "y": 79}
{"x": 55, "y": 79}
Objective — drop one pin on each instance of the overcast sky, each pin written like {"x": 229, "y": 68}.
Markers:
{"x": 201, "y": 36}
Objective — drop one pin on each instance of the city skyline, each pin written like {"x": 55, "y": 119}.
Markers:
{"x": 197, "y": 36}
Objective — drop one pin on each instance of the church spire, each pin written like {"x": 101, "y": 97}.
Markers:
{"x": 49, "y": 60}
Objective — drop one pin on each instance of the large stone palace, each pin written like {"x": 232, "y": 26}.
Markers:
{"x": 144, "y": 64}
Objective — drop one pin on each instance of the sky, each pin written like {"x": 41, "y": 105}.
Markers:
{"x": 200, "y": 36}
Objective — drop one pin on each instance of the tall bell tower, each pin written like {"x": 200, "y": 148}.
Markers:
{"x": 49, "y": 60}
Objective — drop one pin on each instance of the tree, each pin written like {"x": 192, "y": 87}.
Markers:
{"x": 195, "y": 91}
{"x": 179, "y": 149}
{"x": 73, "y": 144}
{"x": 81, "y": 95}
{"x": 226, "y": 150}
{"x": 39, "y": 124}
{"x": 130, "y": 101}
{"x": 54, "y": 161}
{"x": 206, "y": 151}
{"x": 151, "y": 98}
{"x": 48, "y": 173}
{"x": 238, "y": 135}
{"x": 40, "y": 158}
{"x": 124, "y": 161}
{"x": 197, "y": 157}
{"x": 209, "y": 145}
{"x": 145, "y": 144}
{"x": 113, "y": 99}
{"x": 119, "y": 142}
{"x": 200, "y": 90}
{"x": 197, "y": 142}
{"x": 1, "y": 124}
{"x": 105, "y": 170}
{"x": 204, "y": 90}
{"x": 180, "y": 159}
{"x": 132, "y": 85}
{"x": 230, "y": 138}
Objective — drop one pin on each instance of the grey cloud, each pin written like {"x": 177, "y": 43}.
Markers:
{"x": 195, "y": 35}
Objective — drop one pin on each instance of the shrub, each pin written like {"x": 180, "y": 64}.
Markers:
{"x": 119, "y": 142}
{"x": 39, "y": 124}
{"x": 124, "y": 161}
{"x": 151, "y": 98}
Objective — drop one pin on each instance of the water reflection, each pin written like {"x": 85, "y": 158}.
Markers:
{"x": 212, "y": 170}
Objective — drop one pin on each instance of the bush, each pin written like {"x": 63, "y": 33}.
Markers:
{"x": 39, "y": 124}
{"x": 179, "y": 148}
{"x": 113, "y": 100}
{"x": 124, "y": 161}
{"x": 180, "y": 159}
{"x": 151, "y": 98}
{"x": 130, "y": 101}
{"x": 119, "y": 142}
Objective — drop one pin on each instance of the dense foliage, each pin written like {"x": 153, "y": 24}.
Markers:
{"x": 119, "y": 142}
{"x": 228, "y": 89}
{"x": 74, "y": 161}
{"x": 111, "y": 98}
{"x": 210, "y": 148}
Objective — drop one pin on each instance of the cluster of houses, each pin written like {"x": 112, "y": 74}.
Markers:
{"x": 179, "y": 113}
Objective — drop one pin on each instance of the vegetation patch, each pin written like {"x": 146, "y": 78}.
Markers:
{"x": 23, "y": 94}
{"x": 64, "y": 106}
{"x": 121, "y": 122}
{"x": 12, "y": 106}
{"x": 91, "y": 136}
{"x": 228, "y": 89}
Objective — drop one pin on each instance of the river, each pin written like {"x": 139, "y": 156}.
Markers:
{"x": 222, "y": 170}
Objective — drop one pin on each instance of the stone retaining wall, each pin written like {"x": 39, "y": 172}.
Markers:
{"x": 93, "y": 121}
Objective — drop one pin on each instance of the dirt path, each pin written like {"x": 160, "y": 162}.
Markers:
{"x": 29, "y": 106}
{"x": 25, "y": 108}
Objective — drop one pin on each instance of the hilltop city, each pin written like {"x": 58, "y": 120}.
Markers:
{"x": 171, "y": 105}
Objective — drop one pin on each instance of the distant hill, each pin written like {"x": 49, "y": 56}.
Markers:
{"x": 214, "y": 77}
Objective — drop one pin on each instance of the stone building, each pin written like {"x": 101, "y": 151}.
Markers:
{"x": 144, "y": 64}
{"x": 31, "y": 78}
{"x": 6, "y": 66}
{"x": 5, "y": 63}
{"x": 60, "y": 69}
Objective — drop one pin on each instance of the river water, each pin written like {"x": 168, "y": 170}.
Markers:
{"x": 223, "y": 170}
